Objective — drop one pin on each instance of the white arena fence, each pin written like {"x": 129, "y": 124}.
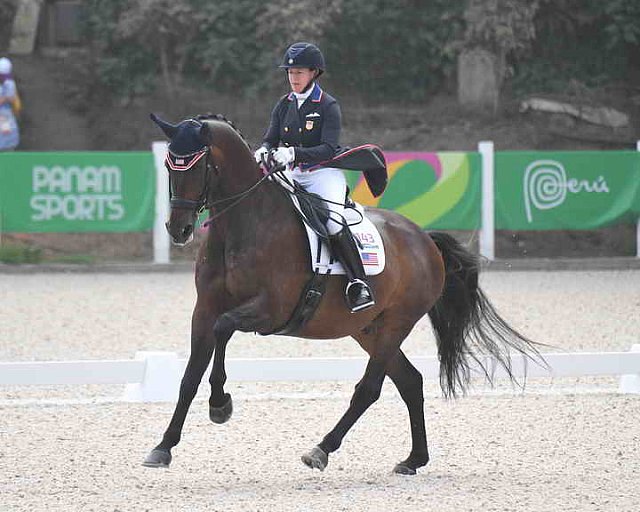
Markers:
{"x": 155, "y": 376}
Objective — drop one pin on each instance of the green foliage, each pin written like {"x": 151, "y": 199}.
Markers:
{"x": 505, "y": 28}
{"x": 284, "y": 22}
{"x": 134, "y": 43}
{"x": 579, "y": 42}
{"x": 236, "y": 44}
{"x": 500, "y": 26}
{"x": 622, "y": 23}
{"x": 395, "y": 49}
{"x": 121, "y": 66}
{"x": 19, "y": 254}
{"x": 226, "y": 51}
{"x": 378, "y": 48}
{"x": 7, "y": 13}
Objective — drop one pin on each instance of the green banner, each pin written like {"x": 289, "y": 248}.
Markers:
{"x": 434, "y": 190}
{"x": 566, "y": 190}
{"x": 76, "y": 192}
{"x": 115, "y": 192}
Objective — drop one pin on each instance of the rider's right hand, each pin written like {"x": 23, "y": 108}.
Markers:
{"x": 261, "y": 154}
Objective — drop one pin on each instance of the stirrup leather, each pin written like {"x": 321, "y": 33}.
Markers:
{"x": 363, "y": 300}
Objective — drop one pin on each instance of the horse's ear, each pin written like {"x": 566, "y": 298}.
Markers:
{"x": 205, "y": 133}
{"x": 168, "y": 129}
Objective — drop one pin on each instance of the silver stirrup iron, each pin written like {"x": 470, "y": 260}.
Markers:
{"x": 364, "y": 305}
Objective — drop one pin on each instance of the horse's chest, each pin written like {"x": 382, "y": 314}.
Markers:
{"x": 240, "y": 270}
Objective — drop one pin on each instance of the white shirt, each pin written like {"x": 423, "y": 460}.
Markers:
{"x": 304, "y": 95}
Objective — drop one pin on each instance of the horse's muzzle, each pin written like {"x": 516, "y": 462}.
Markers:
{"x": 180, "y": 237}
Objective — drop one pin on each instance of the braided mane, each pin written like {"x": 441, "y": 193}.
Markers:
{"x": 220, "y": 117}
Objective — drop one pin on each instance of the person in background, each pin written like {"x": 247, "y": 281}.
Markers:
{"x": 9, "y": 133}
{"x": 304, "y": 132}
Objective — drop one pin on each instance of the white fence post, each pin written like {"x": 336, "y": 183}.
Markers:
{"x": 638, "y": 223}
{"x": 487, "y": 231}
{"x": 161, "y": 243}
{"x": 161, "y": 380}
{"x": 631, "y": 383}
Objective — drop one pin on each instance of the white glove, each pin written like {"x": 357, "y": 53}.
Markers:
{"x": 261, "y": 154}
{"x": 284, "y": 156}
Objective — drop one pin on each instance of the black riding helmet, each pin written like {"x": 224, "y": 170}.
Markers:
{"x": 303, "y": 55}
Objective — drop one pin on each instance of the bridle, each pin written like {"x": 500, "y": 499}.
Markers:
{"x": 183, "y": 163}
{"x": 204, "y": 201}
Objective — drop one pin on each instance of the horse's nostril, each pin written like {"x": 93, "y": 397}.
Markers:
{"x": 186, "y": 232}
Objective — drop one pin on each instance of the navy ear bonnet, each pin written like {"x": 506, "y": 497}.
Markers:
{"x": 188, "y": 143}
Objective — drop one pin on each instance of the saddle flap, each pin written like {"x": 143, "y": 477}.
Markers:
{"x": 368, "y": 238}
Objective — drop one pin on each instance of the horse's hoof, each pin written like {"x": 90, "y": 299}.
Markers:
{"x": 222, "y": 414}
{"x": 316, "y": 458}
{"x": 403, "y": 469}
{"x": 158, "y": 459}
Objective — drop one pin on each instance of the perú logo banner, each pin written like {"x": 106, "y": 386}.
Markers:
{"x": 566, "y": 190}
{"x": 76, "y": 192}
{"x": 546, "y": 186}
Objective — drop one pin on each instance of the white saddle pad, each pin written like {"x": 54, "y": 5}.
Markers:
{"x": 371, "y": 252}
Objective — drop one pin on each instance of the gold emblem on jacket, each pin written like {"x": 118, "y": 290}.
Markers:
{"x": 309, "y": 125}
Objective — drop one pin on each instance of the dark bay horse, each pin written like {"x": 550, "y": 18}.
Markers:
{"x": 254, "y": 262}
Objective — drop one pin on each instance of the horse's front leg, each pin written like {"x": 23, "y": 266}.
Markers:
{"x": 251, "y": 316}
{"x": 202, "y": 345}
{"x": 220, "y": 404}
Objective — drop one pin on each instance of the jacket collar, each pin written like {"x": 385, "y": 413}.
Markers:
{"x": 315, "y": 96}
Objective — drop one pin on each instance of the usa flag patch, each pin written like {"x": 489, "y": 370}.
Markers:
{"x": 369, "y": 258}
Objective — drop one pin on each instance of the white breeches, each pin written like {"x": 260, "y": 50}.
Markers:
{"x": 330, "y": 184}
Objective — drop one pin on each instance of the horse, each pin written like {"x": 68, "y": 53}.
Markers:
{"x": 254, "y": 261}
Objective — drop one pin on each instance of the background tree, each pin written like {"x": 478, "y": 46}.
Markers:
{"x": 495, "y": 30}
{"x": 166, "y": 29}
{"x": 380, "y": 50}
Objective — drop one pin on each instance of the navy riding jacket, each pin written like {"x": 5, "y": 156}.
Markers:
{"x": 313, "y": 129}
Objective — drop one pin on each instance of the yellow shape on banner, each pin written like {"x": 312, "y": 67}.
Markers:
{"x": 363, "y": 195}
{"x": 444, "y": 195}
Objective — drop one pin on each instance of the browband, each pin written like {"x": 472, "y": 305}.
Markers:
{"x": 183, "y": 163}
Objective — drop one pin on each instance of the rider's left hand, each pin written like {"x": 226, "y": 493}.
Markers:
{"x": 284, "y": 156}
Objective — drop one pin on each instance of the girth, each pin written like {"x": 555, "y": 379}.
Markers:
{"x": 307, "y": 304}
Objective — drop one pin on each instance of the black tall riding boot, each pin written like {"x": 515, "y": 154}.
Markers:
{"x": 358, "y": 294}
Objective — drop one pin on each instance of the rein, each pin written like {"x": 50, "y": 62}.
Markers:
{"x": 269, "y": 167}
{"x": 203, "y": 202}
{"x": 237, "y": 198}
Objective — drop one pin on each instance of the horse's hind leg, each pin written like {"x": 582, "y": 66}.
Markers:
{"x": 382, "y": 341}
{"x": 366, "y": 393}
{"x": 408, "y": 380}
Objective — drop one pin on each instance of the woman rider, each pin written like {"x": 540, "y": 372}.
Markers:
{"x": 304, "y": 131}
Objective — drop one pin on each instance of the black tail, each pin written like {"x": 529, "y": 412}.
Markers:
{"x": 467, "y": 325}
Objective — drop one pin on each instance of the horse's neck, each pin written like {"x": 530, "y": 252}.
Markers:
{"x": 237, "y": 168}
{"x": 238, "y": 173}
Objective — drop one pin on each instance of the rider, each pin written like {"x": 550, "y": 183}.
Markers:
{"x": 304, "y": 131}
